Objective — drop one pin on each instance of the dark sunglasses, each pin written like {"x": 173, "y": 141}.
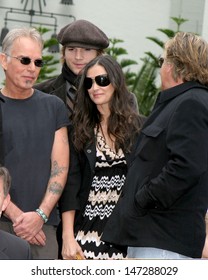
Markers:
{"x": 160, "y": 61}
{"x": 27, "y": 60}
{"x": 101, "y": 80}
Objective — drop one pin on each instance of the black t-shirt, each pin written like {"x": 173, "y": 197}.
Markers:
{"x": 29, "y": 127}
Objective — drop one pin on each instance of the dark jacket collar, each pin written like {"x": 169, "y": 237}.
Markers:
{"x": 1, "y": 99}
{"x": 58, "y": 82}
{"x": 177, "y": 90}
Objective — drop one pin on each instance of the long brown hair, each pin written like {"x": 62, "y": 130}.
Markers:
{"x": 123, "y": 123}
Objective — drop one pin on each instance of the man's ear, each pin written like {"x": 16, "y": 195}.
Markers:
{"x": 3, "y": 61}
{"x": 6, "y": 202}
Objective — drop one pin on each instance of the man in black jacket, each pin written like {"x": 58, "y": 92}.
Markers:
{"x": 161, "y": 213}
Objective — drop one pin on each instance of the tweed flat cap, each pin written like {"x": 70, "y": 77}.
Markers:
{"x": 82, "y": 33}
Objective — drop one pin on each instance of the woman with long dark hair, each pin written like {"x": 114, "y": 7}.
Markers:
{"x": 105, "y": 127}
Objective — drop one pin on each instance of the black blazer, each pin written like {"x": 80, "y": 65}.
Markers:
{"x": 80, "y": 176}
{"x": 165, "y": 197}
{"x": 13, "y": 247}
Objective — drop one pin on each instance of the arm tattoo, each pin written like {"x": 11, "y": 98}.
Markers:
{"x": 55, "y": 188}
{"x": 56, "y": 170}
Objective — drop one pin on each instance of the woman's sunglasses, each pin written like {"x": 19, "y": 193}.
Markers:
{"x": 101, "y": 80}
{"x": 27, "y": 60}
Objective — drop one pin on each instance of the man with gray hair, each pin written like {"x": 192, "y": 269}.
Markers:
{"x": 36, "y": 149}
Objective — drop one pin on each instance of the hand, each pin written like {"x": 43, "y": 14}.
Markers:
{"x": 39, "y": 239}
{"x": 29, "y": 227}
{"x": 71, "y": 250}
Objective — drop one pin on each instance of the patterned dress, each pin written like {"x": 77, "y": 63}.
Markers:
{"x": 108, "y": 180}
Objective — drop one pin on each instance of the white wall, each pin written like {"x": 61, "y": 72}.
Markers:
{"x": 205, "y": 22}
{"x": 192, "y": 10}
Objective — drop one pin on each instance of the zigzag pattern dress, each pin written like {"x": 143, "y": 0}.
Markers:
{"x": 108, "y": 180}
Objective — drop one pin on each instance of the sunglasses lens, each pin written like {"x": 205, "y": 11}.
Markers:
{"x": 25, "y": 60}
{"x": 39, "y": 62}
{"x": 102, "y": 80}
{"x": 88, "y": 83}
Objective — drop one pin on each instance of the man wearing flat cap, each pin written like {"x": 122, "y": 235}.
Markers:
{"x": 81, "y": 42}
